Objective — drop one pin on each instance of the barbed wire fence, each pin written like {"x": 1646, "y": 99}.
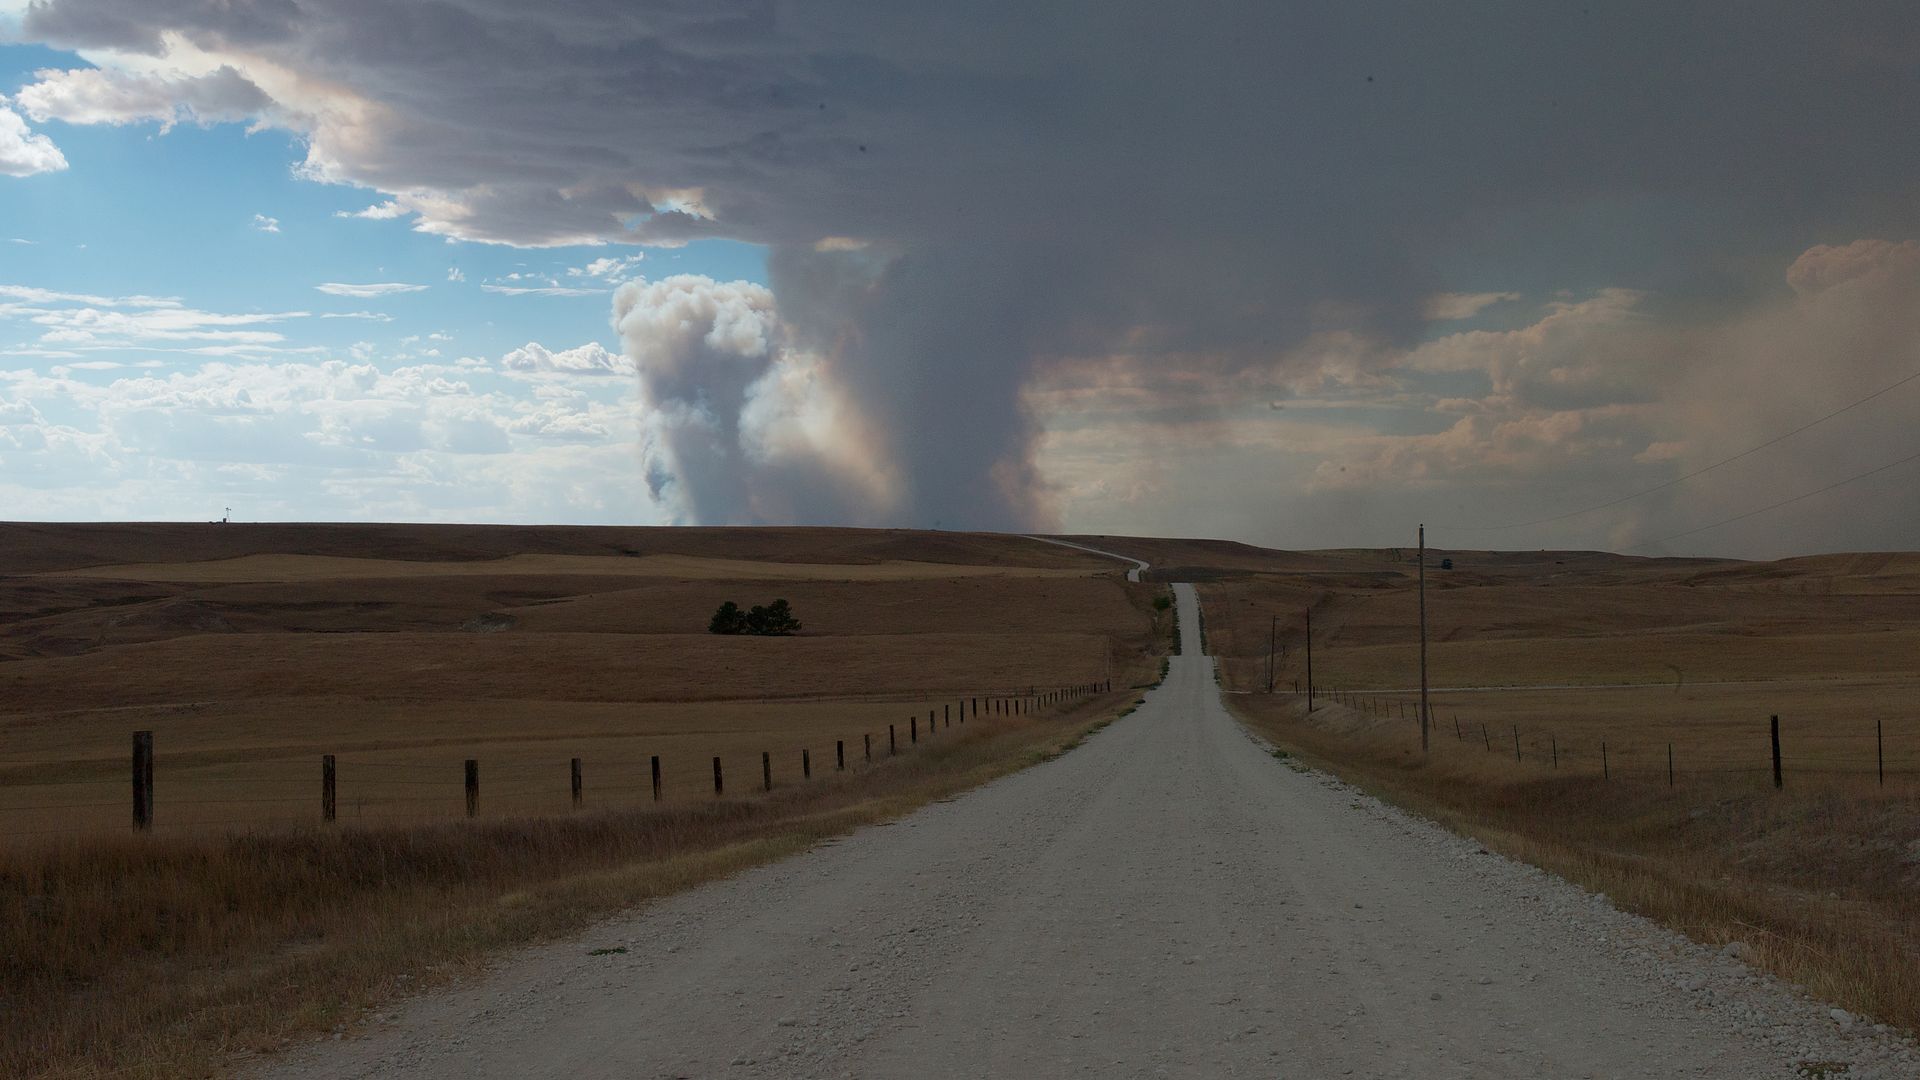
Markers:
{"x": 76, "y": 798}
{"x": 1769, "y": 748}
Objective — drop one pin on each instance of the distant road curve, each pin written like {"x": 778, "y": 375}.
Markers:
{"x": 1132, "y": 575}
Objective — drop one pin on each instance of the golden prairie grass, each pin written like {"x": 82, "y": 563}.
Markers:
{"x": 1836, "y": 728}
{"x": 1821, "y": 880}
{"x": 240, "y": 923}
{"x": 288, "y": 568}
{"x": 168, "y": 957}
{"x": 271, "y": 669}
{"x": 245, "y": 765}
{"x": 31, "y": 547}
{"x": 245, "y": 686}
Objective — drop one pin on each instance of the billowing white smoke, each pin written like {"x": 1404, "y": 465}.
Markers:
{"x": 740, "y": 429}
{"x": 957, "y": 198}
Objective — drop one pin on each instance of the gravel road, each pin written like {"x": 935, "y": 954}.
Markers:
{"x": 1167, "y": 900}
{"x": 1133, "y": 574}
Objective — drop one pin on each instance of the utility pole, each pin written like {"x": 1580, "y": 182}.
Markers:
{"x": 1309, "y": 659}
{"x": 1273, "y": 638}
{"x": 1423, "y": 639}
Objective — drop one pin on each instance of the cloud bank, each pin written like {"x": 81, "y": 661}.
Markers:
{"x": 981, "y": 215}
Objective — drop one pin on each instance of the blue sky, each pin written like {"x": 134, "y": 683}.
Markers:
{"x": 175, "y": 214}
{"x": 1302, "y": 276}
{"x": 217, "y": 218}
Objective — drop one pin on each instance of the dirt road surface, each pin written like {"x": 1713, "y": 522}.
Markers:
{"x": 1167, "y": 900}
{"x": 1133, "y": 574}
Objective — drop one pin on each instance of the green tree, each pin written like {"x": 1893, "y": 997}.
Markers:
{"x": 729, "y": 620}
{"x": 777, "y": 619}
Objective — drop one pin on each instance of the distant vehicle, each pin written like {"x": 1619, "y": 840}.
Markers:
{"x": 1446, "y": 564}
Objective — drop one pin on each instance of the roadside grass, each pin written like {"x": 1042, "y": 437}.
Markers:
{"x": 1821, "y": 881}
{"x": 156, "y": 957}
{"x": 1527, "y": 651}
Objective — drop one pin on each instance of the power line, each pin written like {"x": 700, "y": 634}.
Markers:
{"x": 1787, "y": 502}
{"x": 1697, "y": 472}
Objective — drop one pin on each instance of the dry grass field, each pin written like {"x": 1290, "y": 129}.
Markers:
{"x": 248, "y": 667}
{"x": 1561, "y": 652}
{"x": 404, "y": 651}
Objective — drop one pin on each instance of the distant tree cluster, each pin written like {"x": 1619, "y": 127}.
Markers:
{"x": 774, "y": 620}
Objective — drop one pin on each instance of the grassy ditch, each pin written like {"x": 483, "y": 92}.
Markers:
{"x": 1821, "y": 881}
{"x": 170, "y": 957}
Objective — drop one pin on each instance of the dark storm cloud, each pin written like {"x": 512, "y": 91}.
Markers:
{"x": 1034, "y": 182}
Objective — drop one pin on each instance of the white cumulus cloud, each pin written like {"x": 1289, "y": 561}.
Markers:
{"x": 589, "y": 359}
{"x": 24, "y": 153}
{"x": 540, "y": 290}
{"x": 385, "y": 211}
{"x": 367, "y": 291}
{"x": 111, "y": 96}
{"x": 609, "y": 268}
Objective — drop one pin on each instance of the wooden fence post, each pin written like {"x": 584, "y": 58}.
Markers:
{"x": 866, "y": 740}
{"x": 766, "y": 770}
{"x": 946, "y": 715}
{"x": 143, "y": 780}
{"x": 1669, "y": 764}
{"x": 1605, "y": 773}
{"x": 976, "y": 705}
{"x": 893, "y": 744}
{"x": 656, "y": 777}
{"x": 1880, "y": 751}
{"x": 473, "y": 786}
{"x": 931, "y": 726}
{"x": 717, "y": 787}
{"x": 1774, "y": 725}
{"x": 328, "y": 804}
{"x": 913, "y": 729}
{"x": 573, "y": 770}
{"x": 1554, "y": 742}
{"x": 1457, "y": 733}
{"x": 1486, "y": 738}
{"x": 839, "y": 755}
{"x": 806, "y": 764}
{"x": 1516, "y": 742}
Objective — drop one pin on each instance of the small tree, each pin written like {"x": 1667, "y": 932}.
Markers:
{"x": 775, "y": 619}
{"x": 728, "y": 620}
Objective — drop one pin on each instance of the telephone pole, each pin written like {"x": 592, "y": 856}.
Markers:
{"x": 1273, "y": 638}
{"x": 1423, "y": 639}
{"x": 1309, "y": 659}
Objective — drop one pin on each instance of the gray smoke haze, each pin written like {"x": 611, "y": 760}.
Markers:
{"x": 978, "y": 212}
